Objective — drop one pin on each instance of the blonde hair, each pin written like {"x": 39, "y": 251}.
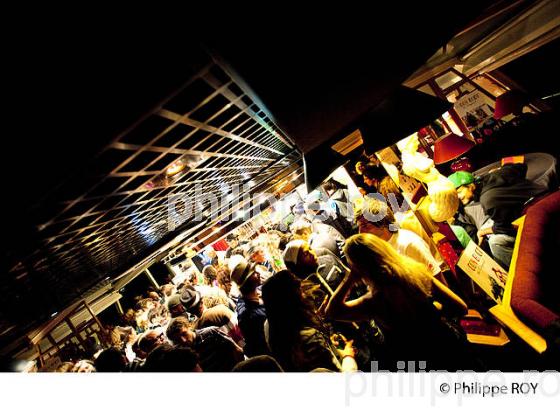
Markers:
{"x": 384, "y": 264}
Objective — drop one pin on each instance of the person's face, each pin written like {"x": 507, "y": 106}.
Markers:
{"x": 370, "y": 182}
{"x": 232, "y": 243}
{"x": 154, "y": 296}
{"x": 186, "y": 337}
{"x": 177, "y": 310}
{"x": 466, "y": 193}
{"x": 255, "y": 278}
{"x": 258, "y": 256}
{"x": 307, "y": 258}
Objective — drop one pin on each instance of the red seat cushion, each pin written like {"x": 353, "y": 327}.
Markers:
{"x": 536, "y": 286}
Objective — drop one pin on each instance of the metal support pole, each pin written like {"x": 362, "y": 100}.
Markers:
{"x": 151, "y": 278}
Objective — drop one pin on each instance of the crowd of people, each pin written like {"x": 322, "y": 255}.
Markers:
{"x": 334, "y": 292}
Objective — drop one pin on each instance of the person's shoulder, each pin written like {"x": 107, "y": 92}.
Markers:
{"x": 412, "y": 240}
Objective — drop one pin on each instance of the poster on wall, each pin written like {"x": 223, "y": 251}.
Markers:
{"x": 474, "y": 109}
{"x": 485, "y": 272}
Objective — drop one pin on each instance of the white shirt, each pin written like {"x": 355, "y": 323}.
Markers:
{"x": 409, "y": 244}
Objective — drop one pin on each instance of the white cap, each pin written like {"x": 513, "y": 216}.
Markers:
{"x": 292, "y": 251}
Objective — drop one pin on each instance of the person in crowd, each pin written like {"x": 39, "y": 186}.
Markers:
{"x": 250, "y": 310}
{"x": 110, "y": 361}
{"x": 175, "y": 307}
{"x": 318, "y": 211}
{"x": 209, "y": 273}
{"x": 219, "y": 315}
{"x": 83, "y": 366}
{"x": 405, "y": 300}
{"x": 372, "y": 174}
{"x": 167, "y": 358}
{"x": 325, "y": 270}
{"x": 216, "y": 351}
{"x": 499, "y": 197}
{"x": 233, "y": 243}
{"x": 155, "y": 294}
{"x": 168, "y": 290}
{"x": 212, "y": 294}
{"x": 296, "y": 336}
{"x": 258, "y": 364}
{"x": 256, "y": 254}
{"x": 404, "y": 216}
{"x": 339, "y": 197}
{"x": 377, "y": 218}
{"x": 151, "y": 339}
{"x": 319, "y": 236}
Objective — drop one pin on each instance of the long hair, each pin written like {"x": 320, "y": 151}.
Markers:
{"x": 383, "y": 264}
{"x": 288, "y": 312}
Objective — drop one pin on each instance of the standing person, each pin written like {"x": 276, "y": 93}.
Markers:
{"x": 250, "y": 309}
{"x": 400, "y": 298}
{"x": 297, "y": 338}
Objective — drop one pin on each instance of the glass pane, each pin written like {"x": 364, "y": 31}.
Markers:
{"x": 447, "y": 80}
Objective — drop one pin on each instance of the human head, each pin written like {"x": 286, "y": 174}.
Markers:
{"x": 464, "y": 184}
{"x": 375, "y": 260}
{"x": 330, "y": 187}
{"x": 387, "y": 187}
{"x": 288, "y": 312}
{"x": 151, "y": 339}
{"x": 83, "y": 366}
{"x": 224, "y": 280}
{"x": 301, "y": 229}
{"x": 110, "y": 360}
{"x": 172, "y": 359}
{"x": 175, "y": 306}
{"x": 232, "y": 240}
{"x": 180, "y": 332}
{"x": 374, "y": 216}
{"x": 192, "y": 300}
{"x": 299, "y": 258}
{"x": 372, "y": 175}
{"x": 258, "y": 364}
{"x": 210, "y": 253}
{"x": 209, "y": 272}
{"x": 244, "y": 274}
{"x": 256, "y": 254}
{"x": 359, "y": 167}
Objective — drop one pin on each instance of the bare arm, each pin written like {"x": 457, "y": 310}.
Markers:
{"x": 339, "y": 308}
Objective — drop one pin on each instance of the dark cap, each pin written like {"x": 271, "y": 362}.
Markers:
{"x": 190, "y": 298}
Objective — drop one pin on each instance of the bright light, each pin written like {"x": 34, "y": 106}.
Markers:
{"x": 175, "y": 168}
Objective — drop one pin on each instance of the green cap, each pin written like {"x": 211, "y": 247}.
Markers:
{"x": 461, "y": 178}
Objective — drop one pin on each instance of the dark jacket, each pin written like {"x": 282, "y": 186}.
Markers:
{"x": 503, "y": 195}
{"x": 251, "y": 316}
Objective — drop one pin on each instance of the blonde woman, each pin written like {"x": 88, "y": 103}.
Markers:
{"x": 404, "y": 299}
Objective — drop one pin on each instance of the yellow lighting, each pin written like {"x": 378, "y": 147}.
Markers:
{"x": 175, "y": 168}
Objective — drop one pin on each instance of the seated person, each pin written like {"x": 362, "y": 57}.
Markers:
{"x": 499, "y": 197}
{"x": 375, "y": 217}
